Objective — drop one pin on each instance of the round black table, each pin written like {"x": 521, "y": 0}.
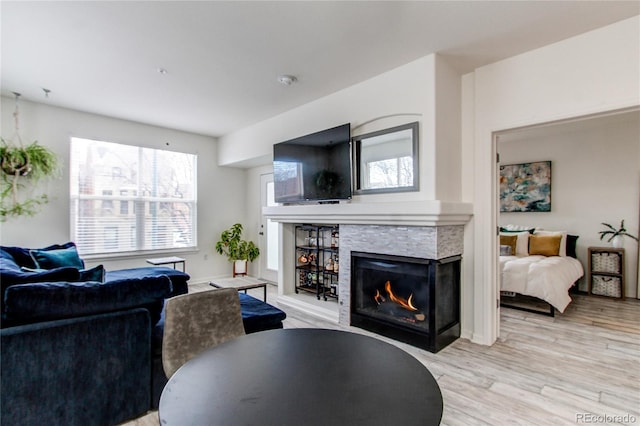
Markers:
{"x": 302, "y": 377}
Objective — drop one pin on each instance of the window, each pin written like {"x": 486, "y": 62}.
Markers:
{"x": 389, "y": 173}
{"x": 157, "y": 198}
{"x": 107, "y": 201}
{"x": 124, "y": 203}
{"x": 290, "y": 178}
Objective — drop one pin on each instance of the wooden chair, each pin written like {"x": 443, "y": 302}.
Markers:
{"x": 198, "y": 321}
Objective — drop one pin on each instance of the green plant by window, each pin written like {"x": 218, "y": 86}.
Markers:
{"x": 234, "y": 247}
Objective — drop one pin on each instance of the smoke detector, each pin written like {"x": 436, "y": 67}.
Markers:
{"x": 287, "y": 80}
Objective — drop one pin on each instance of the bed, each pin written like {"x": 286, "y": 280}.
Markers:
{"x": 538, "y": 270}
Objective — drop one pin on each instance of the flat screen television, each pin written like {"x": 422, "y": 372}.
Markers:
{"x": 315, "y": 167}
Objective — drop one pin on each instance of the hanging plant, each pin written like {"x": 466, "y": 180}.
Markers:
{"x": 22, "y": 168}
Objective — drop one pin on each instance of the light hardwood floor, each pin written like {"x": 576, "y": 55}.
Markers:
{"x": 541, "y": 371}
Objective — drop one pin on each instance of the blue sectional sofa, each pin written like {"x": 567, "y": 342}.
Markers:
{"x": 83, "y": 346}
{"x": 76, "y": 344}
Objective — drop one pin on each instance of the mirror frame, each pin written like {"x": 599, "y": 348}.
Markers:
{"x": 357, "y": 147}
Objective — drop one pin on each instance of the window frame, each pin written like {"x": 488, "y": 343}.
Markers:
{"x": 361, "y": 165}
{"x": 138, "y": 223}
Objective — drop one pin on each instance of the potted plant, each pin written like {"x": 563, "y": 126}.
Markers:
{"x": 616, "y": 236}
{"x": 236, "y": 249}
{"x": 23, "y": 166}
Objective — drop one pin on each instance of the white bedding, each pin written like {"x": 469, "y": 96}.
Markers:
{"x": 547, "y": 278}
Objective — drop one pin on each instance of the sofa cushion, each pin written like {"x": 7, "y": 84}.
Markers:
{"x": 82, "y": 371}
{"x": 92, "y": 274}
{"x": 178, "y": 278}
{"x": 54, "y": 300}
{"x": 12, "y": 274}
{"x": 19, "y": 255}
{"x": 57, "y": 256}
{"x": 258, "y": 315}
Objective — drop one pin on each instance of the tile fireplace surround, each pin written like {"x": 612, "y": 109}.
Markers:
{"x": 428, "y": 242}
{"x": 426, "y": 229}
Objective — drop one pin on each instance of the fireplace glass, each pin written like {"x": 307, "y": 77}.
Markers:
{"x": 414, "y": 300}
{"x": 392, "y": 288}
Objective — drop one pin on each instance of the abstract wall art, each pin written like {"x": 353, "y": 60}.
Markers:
{"x": 525, "y": 187}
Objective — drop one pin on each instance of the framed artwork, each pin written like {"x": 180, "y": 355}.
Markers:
{"x": 525, "y": 187}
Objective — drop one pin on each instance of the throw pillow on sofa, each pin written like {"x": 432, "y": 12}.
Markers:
{"x": 97, "y": 273}
{"x": 57, "y": 256}
{"x": 64, "y": 255}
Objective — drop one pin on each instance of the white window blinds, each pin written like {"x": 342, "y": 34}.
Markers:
{"x": 127, "y": 199}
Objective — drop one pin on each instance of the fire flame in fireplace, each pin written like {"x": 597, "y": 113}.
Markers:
{"x": 406, "y": 304}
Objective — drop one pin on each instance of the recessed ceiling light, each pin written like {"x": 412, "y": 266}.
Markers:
{"x": 287, "y": 80}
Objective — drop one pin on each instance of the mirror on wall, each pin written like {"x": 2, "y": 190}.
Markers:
{"x": 387, "y": 160}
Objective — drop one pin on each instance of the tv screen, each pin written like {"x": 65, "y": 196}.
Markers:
{"x": 315, "y": 167}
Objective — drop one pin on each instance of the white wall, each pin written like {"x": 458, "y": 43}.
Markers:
{"x": 410, "y": 89}
{"x": 448, "y": 168}
{"x": 591, "y": 180}
{"x": 219, "y": 205}
{"x": 253, "y": 212}
{"x": 591, "y": 73}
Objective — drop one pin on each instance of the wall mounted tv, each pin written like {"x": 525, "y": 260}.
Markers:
{"x": 315, "y": 167}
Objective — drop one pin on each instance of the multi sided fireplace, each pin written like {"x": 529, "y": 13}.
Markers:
{"x": 413, "y": 300}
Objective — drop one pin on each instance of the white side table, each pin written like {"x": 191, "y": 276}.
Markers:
{"x": 157, "y": 261}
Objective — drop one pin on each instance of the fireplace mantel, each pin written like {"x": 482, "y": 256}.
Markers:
{"x": 408, "y": 213}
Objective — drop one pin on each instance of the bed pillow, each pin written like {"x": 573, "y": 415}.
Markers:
{"x": 517, "y": 228}
{"x": 572, "y": 242}
{"x": 510, "y": 242}
{"x": 544, "y": 245}
{"x": 522, "y": 242}
{"x": 563, "y": 241}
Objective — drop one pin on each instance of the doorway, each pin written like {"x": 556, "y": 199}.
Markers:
{"x": 593, "y": 159}
{"x": 268, "y": 241}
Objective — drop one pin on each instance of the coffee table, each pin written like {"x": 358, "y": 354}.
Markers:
{"x": 302, "y": 376}
{"x": 240, "y": 283}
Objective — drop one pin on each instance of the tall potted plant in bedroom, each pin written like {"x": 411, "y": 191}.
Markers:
{"x": 236, "y": 249}
{"x": 616, "y": 235}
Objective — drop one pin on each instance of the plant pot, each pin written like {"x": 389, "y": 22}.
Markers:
{"x": 11, "y": 168}
{"x": 618, "y": 241}
{"x": 240, "y": 267}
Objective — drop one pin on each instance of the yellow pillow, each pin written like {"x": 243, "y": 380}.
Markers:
{"x": 545, "y": 245}
{"x": 509, "y": 240}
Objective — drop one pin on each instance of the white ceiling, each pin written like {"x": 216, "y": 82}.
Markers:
{"x": 223, "y": 58}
